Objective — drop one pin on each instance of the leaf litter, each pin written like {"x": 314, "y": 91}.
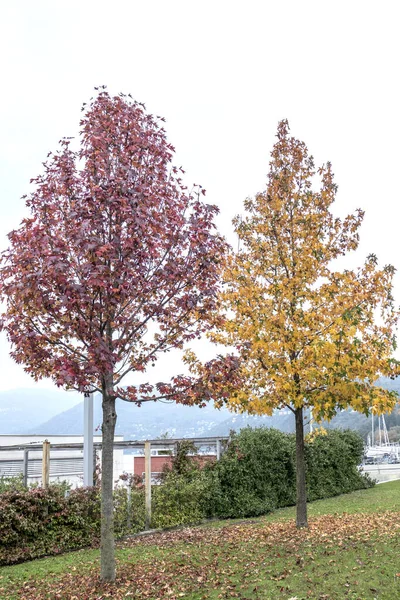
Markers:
{"x": 232, "y": 561}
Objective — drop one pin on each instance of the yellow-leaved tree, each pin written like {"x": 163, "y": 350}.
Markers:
{"x": 307, "y": 336}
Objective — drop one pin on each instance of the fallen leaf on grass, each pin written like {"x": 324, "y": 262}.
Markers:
{"x": 186, "y": 571}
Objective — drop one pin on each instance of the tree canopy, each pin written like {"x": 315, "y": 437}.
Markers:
{"x": 117, "y": 263}
{"x": 306, "y": 335}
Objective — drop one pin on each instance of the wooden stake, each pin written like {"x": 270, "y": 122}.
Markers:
{"x": 25, "y": 466}
{"x": 147, "y": 481}
{"x": 218, "y": 449}
{"x": 45, "y": 464}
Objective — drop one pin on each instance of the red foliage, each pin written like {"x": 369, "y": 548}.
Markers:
{"x": 118, "y": 261}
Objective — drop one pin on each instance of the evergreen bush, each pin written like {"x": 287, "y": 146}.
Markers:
{"x": 333, "y": 464}
{"x": 257, "y": 473}
{"x": 180, "y": 500}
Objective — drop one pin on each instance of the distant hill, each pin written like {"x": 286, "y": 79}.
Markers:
{"x": 22, "y": 409}
{"x": 48, "y": 412}
{"x": 283, "y": 420}
{"x": 389, "y": 384}
{"x": 154, "y": 419}
{"x": 150, "y": 420}
{"x": 350, "y": 419}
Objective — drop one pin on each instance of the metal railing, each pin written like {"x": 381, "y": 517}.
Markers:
{"x": 72, "y": 464}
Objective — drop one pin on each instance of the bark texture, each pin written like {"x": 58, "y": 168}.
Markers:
{"x": 301, "y": 492}
{"x": 107, "y": 505}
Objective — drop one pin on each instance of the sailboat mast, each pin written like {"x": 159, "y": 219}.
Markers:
{"x": 372, "y": 432}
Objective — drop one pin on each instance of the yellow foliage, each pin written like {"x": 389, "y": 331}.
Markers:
{"x": 307, "y": 335}
{"x": 311, "y": 437}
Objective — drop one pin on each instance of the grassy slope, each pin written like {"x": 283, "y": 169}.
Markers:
{"x": 352, "y": 550}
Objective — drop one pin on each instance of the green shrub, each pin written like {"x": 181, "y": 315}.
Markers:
{"x": 183, "y": 498}
{"x": 180, "y": 500}
{"x": 255, "y": 475}
{"x": 37, "y": 522}
{"x": 8, "y": 484}
{"x": 332, "y": 464}
{"x": 129, "y": 513}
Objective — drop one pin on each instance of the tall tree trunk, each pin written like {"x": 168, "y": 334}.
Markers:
{"x": 107, "y": 505}
{"x": 301, "y": 492}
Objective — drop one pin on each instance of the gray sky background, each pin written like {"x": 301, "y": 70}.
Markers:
{"x": 223, "y": 74}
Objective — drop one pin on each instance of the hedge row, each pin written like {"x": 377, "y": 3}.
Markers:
{"x": 256, "y": 474}
{"x": 258, "y": 471}
{"x": 38, "y": 522}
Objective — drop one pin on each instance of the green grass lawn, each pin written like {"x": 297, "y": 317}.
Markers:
{"x": 350, "y": 551}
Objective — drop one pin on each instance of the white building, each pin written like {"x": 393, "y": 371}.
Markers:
{"x": 65, "y": 463}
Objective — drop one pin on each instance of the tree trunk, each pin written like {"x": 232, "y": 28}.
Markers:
{"x": 301, "y": 493}
{"x": 107, "y": 505}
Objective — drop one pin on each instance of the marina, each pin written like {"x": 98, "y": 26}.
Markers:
{"x": 382, "y": 457}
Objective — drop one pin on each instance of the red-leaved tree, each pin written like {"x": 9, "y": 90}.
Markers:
{"x": 117, "y": 263}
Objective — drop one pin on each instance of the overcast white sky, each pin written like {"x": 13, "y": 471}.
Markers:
{"x": 223, "y": 74}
